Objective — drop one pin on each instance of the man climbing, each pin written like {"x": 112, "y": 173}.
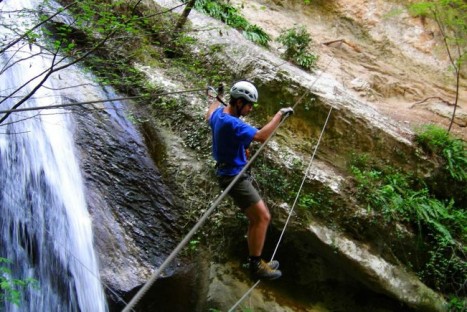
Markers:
{"x": 230, "y": 138}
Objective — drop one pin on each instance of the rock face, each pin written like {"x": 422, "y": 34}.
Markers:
{"x": 133, "y": 210}
{"x": 139, "y": 219}
{"x": 374, "y": 271}
{"x": 354, "y": 126}
{"x": 388, "y": 59}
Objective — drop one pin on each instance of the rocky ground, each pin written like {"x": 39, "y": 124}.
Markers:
{"x": 393, "y": 62}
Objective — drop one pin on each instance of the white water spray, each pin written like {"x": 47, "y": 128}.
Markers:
{"x": 45, "y": 228}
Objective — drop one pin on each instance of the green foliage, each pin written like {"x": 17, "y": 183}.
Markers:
{"x": 92, "y": 19}
{"x": 197, "y": 69}
{"x": 451, "y": 15}
{"x": 193, "y": 245}
{"x": 451, "y": 18}
{"x": 273, "y": 181}
{"x": 123, "y": 76}
{"x": 281, "y": 184}
{"x": 198, "y": 139}
{"x": 256, "y": 34}
{"x": 422, "y": 8}
{"x": 446, "y": 268}
{"x": 307, "y": 201}
{"x": 457, "y": 304}
{"x": 105, "y": 35}
{"x": 453, "y": 151}
{"x": 11, "y": 287}
{"x": 399, "y": 197}
{"x": 296, "y": 40}
{"x": 320, "y": 202}
{"x": 402, "y": 197}
{"x": 231, "y": 16}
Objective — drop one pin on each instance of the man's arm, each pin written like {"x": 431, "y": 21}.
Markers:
{"x": 266, "y": 131}
{"x": 215, "y": 104}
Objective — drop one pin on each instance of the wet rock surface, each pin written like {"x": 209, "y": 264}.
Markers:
{"x": 133, "y": 211}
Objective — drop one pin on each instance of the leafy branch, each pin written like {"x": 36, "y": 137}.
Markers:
{"x": 11, "y": 288}
{"x": 451, "y": 19}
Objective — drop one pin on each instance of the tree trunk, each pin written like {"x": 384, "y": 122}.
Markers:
{"x": 183, "y": 18}
{"x": 458, "y": 70}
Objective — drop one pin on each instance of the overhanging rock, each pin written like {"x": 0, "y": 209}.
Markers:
{"x": 375, "y": 272}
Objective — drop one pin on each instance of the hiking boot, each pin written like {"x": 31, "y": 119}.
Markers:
{"x": 273, "y": 264}
{"x": 264, "y": 271}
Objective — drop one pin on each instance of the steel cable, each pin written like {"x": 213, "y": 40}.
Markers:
{"x": 96, "y": 101}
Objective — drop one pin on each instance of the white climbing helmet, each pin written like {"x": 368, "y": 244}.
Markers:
{"x": 246, "y": 90}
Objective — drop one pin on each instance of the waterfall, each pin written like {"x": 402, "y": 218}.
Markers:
{"x": 45, "y": 227}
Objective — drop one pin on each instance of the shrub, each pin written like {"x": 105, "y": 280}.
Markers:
{"x": 232, "y": 17}
{"x": 10, "y": 288}
{"x": 453, "y": 151}
{"x": 401, "y": 197}
{"x": 296, "y": 40}
{"x": 449, "y": 180}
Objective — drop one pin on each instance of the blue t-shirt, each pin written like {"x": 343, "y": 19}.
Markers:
{"x": 230, "y": 137}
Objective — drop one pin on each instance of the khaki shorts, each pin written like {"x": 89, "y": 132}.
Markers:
{"x": 243, "y": 192}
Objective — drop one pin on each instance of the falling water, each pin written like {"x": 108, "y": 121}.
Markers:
{"x": 45, "y": 228}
